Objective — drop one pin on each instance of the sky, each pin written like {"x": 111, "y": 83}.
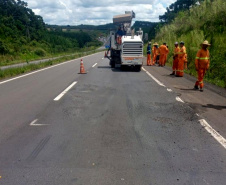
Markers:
{"x": 96, "y": 12}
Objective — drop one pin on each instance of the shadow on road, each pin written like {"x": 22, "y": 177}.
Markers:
{"x": 168, "y": 75}
{"x": 126, "y": 69}
{"x": 104, "y": 67}
{"x": 217, "y": 107}
{"x": 192, "y": 89}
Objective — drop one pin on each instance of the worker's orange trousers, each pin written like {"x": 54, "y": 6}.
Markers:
{"x": 180, "y": 67}
{"x": 201, "y": 74}
{"x": 175, "y": 64}
{"x": 165, "y": 60}
{"x": 154, "y": 58}
{"x": 149, "y": 62}
{"x": 162, "y": 59}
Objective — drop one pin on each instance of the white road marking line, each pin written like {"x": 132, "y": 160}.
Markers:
{"x": 28, "y": 74}
{"x": 170, "y": 90}
{"x": 179, "y": 99}
{"x": 64, "y": 92}
{"x": 144, "y": 69}
{"x": 213, "y": 132}
{"x": 94, "y": 65}
{"x": 33, "y": 123}
{"x": 158, "y": 82}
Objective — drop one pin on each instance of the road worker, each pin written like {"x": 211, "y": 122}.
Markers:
{"x": 181, "y": 59}
{"x": 149, "y": 63}
{"x": 166, "y": 56}
{"x": 154, "y": 52}
{"x": 163, "y": 52}
{"x": 186, "y": 61}
{"x": 202, "y": 63}
{"x": 175, "y": 58}
{"x": 119, "y": 35}
{"x": 158, "y": 54}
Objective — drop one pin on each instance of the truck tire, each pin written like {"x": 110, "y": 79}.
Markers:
{"x": 112, "y": 64}
{"x": 123, "y": 68}
{"x": 138, "y": 68}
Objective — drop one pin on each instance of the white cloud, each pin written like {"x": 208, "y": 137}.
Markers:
{"x": 75, "y": 12}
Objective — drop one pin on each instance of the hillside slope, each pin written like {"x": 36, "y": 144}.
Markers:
{"x": 206, "y": 21}
{"x": 23, "y": 35}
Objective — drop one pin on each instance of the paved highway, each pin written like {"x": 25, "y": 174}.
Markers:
{"x": 110, "y": 127}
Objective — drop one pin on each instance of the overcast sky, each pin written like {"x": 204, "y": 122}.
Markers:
{"x": 96, "y": 12}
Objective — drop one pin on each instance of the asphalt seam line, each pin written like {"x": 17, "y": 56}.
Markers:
{"x": 157, "y": 81}
{"x": 213, "y": 132}
{"x": 64, "y": 92}
{"x": 28, "y": 74}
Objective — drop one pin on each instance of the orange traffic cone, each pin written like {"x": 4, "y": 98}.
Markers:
{"x": 82, "y": 69}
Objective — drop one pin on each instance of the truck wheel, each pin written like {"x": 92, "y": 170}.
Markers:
{"x": 112, "y": 64}
{"x": 137, "y": 68}
{"x": 123, "y": 68}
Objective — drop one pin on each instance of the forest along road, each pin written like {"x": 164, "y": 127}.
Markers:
{"x": 107, "y": 127}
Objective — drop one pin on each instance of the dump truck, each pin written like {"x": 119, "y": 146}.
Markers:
{"x": 125, "y": 46}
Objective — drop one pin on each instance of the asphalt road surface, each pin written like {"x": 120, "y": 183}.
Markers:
{"x": 110, "y": 127}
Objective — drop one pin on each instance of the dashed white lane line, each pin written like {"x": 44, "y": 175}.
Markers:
{"x": 149, "y": 74}
{"x": 64, "y": 92}
{"x": 179, "y": 99}
{"x": 203, "y": 122}
{"x": 33, "y": 123}
{"x": 94, "y": 65}
{"x": 43, "y": 69}
{"x": 213, "y": 132}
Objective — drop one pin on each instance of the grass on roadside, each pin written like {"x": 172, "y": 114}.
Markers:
{"x": 10, "y": 72}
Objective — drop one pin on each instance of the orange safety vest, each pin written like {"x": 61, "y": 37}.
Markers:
{"x": 202, "y": 60}
{"x": 163, "y": 50}
{"x": 182, "y": 53}
{"x": 176, "y": 51}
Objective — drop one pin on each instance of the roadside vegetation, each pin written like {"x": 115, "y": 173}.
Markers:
{"x": 203, "y": 21}
{"x": 10, "y": 72}
{"x": 24, "y": 36}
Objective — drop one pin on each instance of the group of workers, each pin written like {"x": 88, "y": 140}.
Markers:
{"x": 159, "y": 56}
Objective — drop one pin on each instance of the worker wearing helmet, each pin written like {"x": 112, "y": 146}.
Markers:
{"x": 181, "y": 60}
{"x": 163, "y": 52}
{"x": 154, "y": 52}
{"x": 175, "y": 58}
{"x": 202, "y": 63}
{"x": 149, "y": 62}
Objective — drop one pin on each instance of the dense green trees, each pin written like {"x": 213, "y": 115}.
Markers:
{"x": 176, "y": 7}
{"x": 23, "y": 35}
